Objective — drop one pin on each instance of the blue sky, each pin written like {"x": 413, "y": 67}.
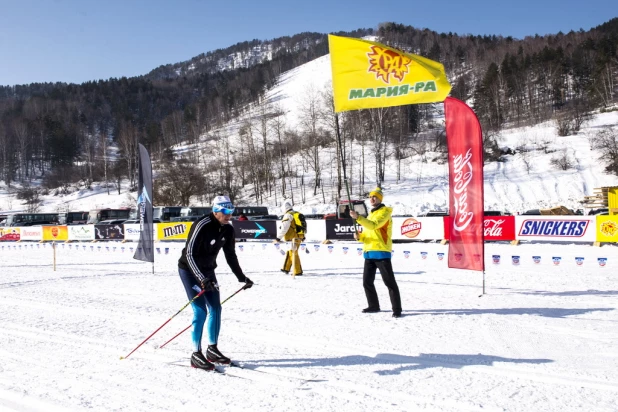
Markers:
{"x": 76, "y": 41}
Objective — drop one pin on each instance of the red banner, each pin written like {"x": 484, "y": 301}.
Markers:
{"x": 494, "y": 228}
{"x": 465, "y": 159}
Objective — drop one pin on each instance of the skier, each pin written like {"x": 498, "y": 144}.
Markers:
{"x": 377, "y": 246}
{"x": 196, "y": 267}
{"x": 289, "y": 231}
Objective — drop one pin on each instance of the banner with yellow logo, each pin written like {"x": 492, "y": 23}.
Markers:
{"x": 607, "y": 228}
{"x": 367, "y": 75}
{"x": 55, "y": 233}
{"x": 173, "y": 231}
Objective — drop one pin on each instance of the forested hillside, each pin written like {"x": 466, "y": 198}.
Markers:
{"x": 68, "y": 134}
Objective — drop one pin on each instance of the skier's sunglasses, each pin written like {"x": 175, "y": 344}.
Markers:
{"x": 225, "y": 208}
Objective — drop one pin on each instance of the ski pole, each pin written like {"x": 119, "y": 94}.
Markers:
{"x": 185, "y": 329}
{"x": 166, "y": 322}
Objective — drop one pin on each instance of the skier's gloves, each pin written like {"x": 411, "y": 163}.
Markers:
{"x": 209, "y": 285}
{"x": 248, "y": 283}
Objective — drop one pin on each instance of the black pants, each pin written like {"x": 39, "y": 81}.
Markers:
{"x": 369, "y": 276}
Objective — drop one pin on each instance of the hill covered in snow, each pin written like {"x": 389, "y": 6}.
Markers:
{"x": 530, "y": 177}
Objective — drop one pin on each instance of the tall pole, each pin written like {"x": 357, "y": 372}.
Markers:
{"x": 345, "y": 175}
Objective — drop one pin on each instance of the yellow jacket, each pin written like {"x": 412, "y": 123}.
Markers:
{"x": 377, "y": 231}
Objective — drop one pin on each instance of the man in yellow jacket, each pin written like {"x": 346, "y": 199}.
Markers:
{"x": 288, "y": 231}
{"x": 377, "y": 249}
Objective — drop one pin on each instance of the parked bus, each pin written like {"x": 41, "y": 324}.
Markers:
{"x": 166, "y": 213}
{"x": 248, "y": 211}
{"x": 31, "y": 219}
{"x": 97, "y": 215}
{"x": 195, "y": 211}
{"x": 73, "y": 218}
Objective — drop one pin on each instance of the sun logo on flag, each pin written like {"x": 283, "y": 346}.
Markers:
{"x": 385, "y": 62}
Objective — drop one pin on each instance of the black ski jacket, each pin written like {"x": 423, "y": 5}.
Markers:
{"x": 199, "y": 256}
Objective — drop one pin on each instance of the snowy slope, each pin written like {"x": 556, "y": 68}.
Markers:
{"x": 509, "y": 186}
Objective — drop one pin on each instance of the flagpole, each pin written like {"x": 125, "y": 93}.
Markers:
{"x": 345, "y": 176}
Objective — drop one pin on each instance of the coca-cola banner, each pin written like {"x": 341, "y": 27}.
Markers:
{"x": 465, "y": 159}
{"x": 494, "y": 228}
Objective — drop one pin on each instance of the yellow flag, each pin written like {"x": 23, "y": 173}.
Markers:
{"x": 367, "y": 74}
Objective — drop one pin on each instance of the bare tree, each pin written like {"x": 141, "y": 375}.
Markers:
{"x": 562, "y": 161}
{"x": 127, "y": 140}
{"x": 607, "y": 142}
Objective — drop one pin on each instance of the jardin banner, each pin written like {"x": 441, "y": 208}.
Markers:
{"x": 367, "y": 74}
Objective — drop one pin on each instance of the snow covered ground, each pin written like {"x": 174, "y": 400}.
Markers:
{"x": 544, "y": 337}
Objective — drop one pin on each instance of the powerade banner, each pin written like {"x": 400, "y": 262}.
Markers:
{"x": 341, "y": 229}
{"x": 173, "y": 231}
{"x": 367, "y": 74}
{"x": 255, "y": 229}
{"x": 145, "y": 247}
{"x": 55, "y": 233}
{"x": 109, "y": 232}
{"x": 466, "y": 201}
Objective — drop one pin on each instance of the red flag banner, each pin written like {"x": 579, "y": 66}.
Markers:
{"x": 465, "y": 160}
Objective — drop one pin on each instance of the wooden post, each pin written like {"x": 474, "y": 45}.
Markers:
{"x": 54, "y": 248}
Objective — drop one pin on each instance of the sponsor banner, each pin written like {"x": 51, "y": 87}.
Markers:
{"x": 367, "y": 74}
{"x": 172, "y": 230}
{"x": 418, "y": 228}
{"x": 55, "y": 233}
{"x": 9, "y": 233}
{"x": 81, "y": 232}
{"x": 31, "y": 233}
{"x": 465, "y": 153}
{"x": 555, "y": 228}
{"x": 255, "y": 229}
{"x": 499, "y": 227}
{"x": 145, "y": 251}
{"x": 607, "y": 228}
{"x": 109, "y": 232}
{"x": 494, "y": 227}
{"x": 132, "y": 231}
{"x": 342, "y": 229}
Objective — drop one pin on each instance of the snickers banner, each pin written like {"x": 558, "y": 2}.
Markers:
{"x": 466, "y": 203}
